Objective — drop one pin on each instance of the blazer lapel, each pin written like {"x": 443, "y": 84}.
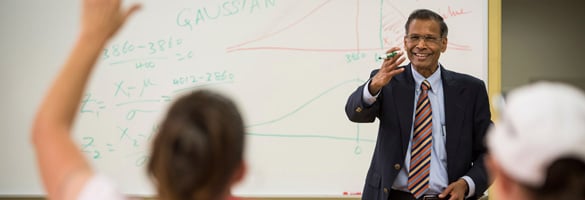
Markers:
{"x": 404, "y": 97}
{"x": 454, "y": 114}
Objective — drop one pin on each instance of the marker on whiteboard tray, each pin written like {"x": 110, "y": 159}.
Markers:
{"x": 352, "y": 193}
{"x": 388, "y": 56}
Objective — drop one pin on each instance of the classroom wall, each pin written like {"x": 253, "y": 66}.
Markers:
{"x": 542, "y": 40}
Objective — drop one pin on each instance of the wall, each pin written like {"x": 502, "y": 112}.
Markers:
{"x": 542, "y": 40}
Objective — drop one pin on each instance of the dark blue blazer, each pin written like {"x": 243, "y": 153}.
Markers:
{"x": 467, "y": 118}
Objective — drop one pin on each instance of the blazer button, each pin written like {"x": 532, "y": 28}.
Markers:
{"x": 358, "y": 109}
{"x": 386, "y": 190}
{"x": 397, "y": 166}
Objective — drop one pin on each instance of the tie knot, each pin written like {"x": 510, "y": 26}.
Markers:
{"x": 425, "y": 85}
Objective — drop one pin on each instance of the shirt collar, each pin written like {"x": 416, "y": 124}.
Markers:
{"x": 434, "y": 79}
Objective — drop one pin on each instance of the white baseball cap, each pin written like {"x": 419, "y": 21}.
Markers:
{"x": 539, "y": 123}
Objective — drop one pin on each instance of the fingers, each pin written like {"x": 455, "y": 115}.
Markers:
{"x": 393, "y": 49}
{"x": 446, "y": 192}
{"x": 391, "y": 64}
{"x": 456, "y": 197}
{"x": 101, "y": 19}
{"x": 131, "y": 11}
{"x": 388, "y": 69}
{"x": 455, "y": 190}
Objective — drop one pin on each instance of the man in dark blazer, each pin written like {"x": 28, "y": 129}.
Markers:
{"x": 459, "y": 119}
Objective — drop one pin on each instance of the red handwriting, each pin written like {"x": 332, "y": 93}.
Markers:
{"x": 451, "y": 12}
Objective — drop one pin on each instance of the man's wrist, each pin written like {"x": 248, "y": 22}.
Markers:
{"x": 466, "y": 184}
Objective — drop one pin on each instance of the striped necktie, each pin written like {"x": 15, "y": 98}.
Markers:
{"x": 420, "y": 160}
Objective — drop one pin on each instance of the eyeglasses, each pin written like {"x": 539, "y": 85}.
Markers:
{"x": 427, "y": 38}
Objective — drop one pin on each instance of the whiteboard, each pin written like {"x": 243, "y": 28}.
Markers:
{"x": 289, "y": 65}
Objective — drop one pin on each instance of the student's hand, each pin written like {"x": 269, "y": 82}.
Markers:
{"x": 100, "y": 19}
{"x": 387, "y": 71}
{"x": 456, "y": 189}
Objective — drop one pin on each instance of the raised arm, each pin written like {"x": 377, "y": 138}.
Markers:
{"x": 63, "y": 168}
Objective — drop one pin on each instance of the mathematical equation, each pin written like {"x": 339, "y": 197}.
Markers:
{"x": 128, "y": 102}
{"x": 126, "y": 141}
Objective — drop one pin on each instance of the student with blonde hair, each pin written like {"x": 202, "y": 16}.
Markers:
{"x": 197, "y": 154}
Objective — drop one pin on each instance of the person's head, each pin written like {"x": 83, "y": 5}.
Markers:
{"x": 425, "y": 40}
{"x": 198, "y": 152}
{"x": 537, "y": 150}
